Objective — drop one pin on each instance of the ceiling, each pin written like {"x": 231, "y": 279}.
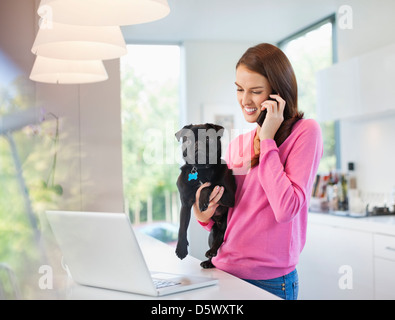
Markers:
{"x": 230, "y": 20}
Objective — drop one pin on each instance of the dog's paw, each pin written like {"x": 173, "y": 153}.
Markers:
{"x": 211, "y": 253}
{"x": 207, "y": 264}
{"x": 203, "y": 206}
{"x": 182, "y": 250}
{"x": 204, "y": 199}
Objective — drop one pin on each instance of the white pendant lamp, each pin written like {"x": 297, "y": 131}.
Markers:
{"x": 59, "y": 71}
{"x": 62, "y": 41}
{"x": 103, "y": 12}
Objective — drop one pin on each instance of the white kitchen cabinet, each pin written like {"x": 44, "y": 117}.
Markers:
{"x": 338, "y": 91}
{"x": 384, "y": 266}
{"x": 384, "y": 279}
{"x": 384, "y": 246}
{"x": 357, "y": 88}
{"x": 366, "y": 246}
{"x": 336, "y": 263}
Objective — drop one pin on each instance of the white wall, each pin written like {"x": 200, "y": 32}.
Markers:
{"x": 101, "y": 142}
{"x": 210, "y": 76}
{"x": 90, "y": 153}
{"x": 369, "y": 142}
{"x": 373, "y": 26}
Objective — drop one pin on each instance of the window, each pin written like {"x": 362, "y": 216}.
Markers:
{"x": 309, "y": 51}
{"x": 150, "y": 118}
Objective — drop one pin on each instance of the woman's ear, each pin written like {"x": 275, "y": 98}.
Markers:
{"x": 181, "y": 133}
{"x": 217, "y": 128}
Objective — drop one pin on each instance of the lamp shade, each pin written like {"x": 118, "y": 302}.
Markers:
{"x": 62, "y": 41}
{"x": 68, "y": 71}
{"x": 103, "y": 12}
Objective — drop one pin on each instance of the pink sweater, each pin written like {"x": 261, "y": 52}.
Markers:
{"x": 267, "y": 227}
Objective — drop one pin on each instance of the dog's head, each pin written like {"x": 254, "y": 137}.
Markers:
{"x": 201, "y": 143}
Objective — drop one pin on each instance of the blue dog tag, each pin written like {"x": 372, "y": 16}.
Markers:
{"x": 192, "y": 176}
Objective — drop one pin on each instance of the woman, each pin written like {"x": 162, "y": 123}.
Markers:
{"x": 274, "y": 166}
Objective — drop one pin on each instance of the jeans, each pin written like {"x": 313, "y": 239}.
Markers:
{"x": 285, "y": 287}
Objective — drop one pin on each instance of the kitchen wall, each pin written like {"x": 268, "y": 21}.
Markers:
{"x": 368, "y": 142}
{"x": 210, "y": 77}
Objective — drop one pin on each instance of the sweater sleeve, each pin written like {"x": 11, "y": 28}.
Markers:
{"x": 288, "y": 187}
{"x": 208, "y": 225}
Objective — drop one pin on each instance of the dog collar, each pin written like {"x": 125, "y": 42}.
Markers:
{"x": 193, "y": 175}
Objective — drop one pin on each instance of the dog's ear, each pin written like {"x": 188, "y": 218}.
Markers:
{"x": 180, "y": 133}
{"x": 217, "y": 128}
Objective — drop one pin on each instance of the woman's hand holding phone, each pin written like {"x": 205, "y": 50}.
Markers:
{"x": 274, "y": 117}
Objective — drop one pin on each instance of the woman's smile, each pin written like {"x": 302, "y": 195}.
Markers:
{"x": 250, "y": 111}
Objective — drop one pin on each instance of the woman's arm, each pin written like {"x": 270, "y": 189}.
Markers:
{"x": 289, "y": 187}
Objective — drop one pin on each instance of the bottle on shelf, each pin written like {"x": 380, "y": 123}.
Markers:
{"x": 355, "y": 203}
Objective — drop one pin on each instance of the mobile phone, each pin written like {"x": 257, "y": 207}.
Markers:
{"x": 262, "y": 115}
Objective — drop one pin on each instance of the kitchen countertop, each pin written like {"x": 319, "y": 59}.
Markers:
{"x": 375, "y": 224}
{"x": 161, "y": 258}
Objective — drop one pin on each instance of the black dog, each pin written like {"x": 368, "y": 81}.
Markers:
{"x": 202, "y": 153}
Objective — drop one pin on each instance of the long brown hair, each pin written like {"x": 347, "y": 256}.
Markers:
{"x": 273, "y": 64}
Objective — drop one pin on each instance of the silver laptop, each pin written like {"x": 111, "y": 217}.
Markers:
{"x": 101, "y": 250}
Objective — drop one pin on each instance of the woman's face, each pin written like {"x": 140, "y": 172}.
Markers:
{"x": 252, "y": 90}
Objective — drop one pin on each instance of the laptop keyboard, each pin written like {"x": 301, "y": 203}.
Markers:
{"x": 159, "y": 283}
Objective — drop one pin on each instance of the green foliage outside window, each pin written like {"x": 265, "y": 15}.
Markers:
{"x": 150, "y": 117}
